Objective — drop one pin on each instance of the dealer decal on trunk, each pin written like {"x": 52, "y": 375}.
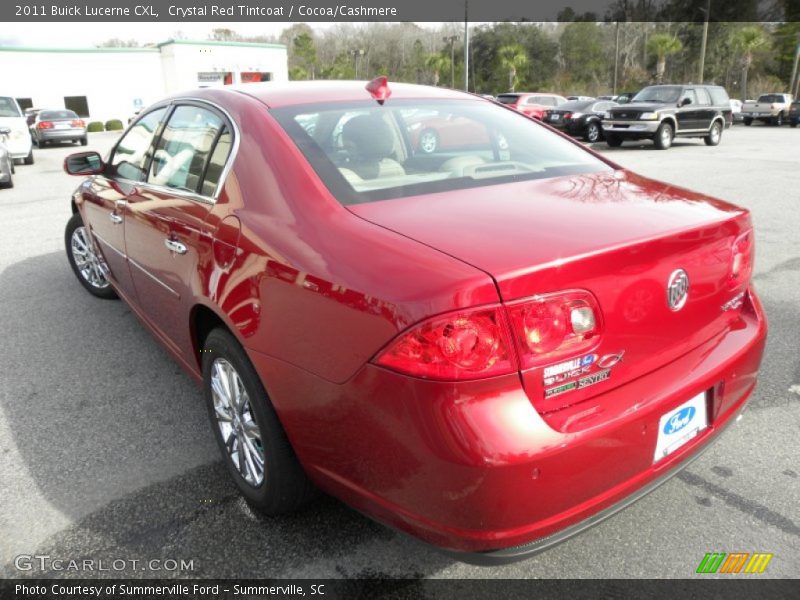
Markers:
{"x": 577, "y": 373}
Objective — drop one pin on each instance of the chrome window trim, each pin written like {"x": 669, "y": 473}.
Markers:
{"x": 188, "y": 101}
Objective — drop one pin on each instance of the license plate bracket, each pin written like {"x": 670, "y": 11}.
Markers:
{"x": 680, "y": 425}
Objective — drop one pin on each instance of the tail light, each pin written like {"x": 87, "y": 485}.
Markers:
{"x": 45, "y": 125}
{"x": 567, "y": 115}
{"x": 486, "y": 342}
{"x": 554, "y": 326}
{"x": 77, "y": 123}
{"x": 741, "y": 261}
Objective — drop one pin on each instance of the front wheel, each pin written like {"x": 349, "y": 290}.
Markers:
{"x": 747, "y": 121}
{"x": 664, "y": 135}
{"x": 28, "y": 160}
{"x": 778, "y": 121}
{"x": 714, "y": 135}
{"x": 613, "y": 140}
{"x": 88, "y": 266}
{"x": 252, "y": 441}
{"x": 428, "y": 141}
{"x": 793, "y": 124}
{"x": 592, "y": 133}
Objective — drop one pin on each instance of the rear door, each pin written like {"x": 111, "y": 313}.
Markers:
{"x": 705, "y": 111}
{"x": 105, "y": 200}
{"x": 166, "y": 233}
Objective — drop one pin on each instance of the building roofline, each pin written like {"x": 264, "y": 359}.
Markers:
{"x": 157, "y": 47}
{"x": 220, "y": 43}
{"x": 79, "y": 50}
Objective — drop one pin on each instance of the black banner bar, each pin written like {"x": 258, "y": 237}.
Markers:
{"x": 395, "y": 10}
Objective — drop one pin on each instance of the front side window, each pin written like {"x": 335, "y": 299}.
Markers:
{"x": 8, "y": 107}
{"x": 365, "y": 152}
{"x": 690, "y": 96}
{"x": 184, "y": 147}
{"x": 132, "y": 153}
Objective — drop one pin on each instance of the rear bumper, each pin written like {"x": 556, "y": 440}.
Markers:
{"x": 51, "y": 135}
{"x": 473, "y": 467}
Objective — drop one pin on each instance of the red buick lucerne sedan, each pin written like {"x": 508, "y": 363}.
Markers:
{"x": 489, "y": 346}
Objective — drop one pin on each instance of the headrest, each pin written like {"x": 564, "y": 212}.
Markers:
{"x": 368, "y": 137}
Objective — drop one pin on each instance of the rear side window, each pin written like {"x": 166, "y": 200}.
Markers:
{"x": 216, "y": 163}
{"x": 719, "y": 96}
{"x": 703, "y": 98}
{"x": 184, "y": 148}
{"x": 507, "y": 98}
{"x": 8, "y": 107}
{"x": 133, "y": 151}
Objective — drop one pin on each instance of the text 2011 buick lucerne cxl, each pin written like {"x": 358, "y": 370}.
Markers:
{"x": 490, "y": 346}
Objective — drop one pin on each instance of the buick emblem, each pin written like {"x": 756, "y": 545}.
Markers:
{"x": 677, "y": 289}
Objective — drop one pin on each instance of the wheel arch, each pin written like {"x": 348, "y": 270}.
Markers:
{"x": 202, "y": 321}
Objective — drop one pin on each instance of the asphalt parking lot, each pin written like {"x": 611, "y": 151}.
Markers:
{"x": 106, "y": 453}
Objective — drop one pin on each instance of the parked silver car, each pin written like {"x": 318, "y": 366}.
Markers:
{"x": 6, "y": 162}
{"x": 60, "y": 125}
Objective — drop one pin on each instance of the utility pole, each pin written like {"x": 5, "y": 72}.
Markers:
{"x": 452, "y": 39}
{"x": 795, "y": 78}
{"x": 356, "y": 54}
{"x": 466, "y": 45}
{"x": 707, "y": 11}
{"x": 616, "y": 62}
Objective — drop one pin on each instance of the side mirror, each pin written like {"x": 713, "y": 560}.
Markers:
{"x": 685, "y": 101}
{"x": 5, "y": 131}
{"x": 84, "y": 163}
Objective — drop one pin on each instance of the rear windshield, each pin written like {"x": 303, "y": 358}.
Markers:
{"x": 366, "y": 152}
{"x": 771, "y": 98}
{"x": 8, "y": 107}
{"x": 507, "y": 98}
{"x": 57, "y": 114}
{"x": 667, "y": 94}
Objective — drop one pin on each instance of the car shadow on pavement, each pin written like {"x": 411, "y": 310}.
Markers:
{"x": 115, "y": 436}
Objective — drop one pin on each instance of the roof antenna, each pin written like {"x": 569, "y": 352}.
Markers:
{"x": 378, "y": 88}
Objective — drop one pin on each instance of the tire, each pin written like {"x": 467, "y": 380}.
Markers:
{"x": 793, "y": 124}
{"x": 428, "y": 141}
{"x": 592, "y": 133}
{"x": 10, "y": 183}
{"x": 84, "y": 141}
{"x": 283, "y": 485}
{"x": 714, "y": 134}
{"x": 664, "y": 136}
{"x": 614, "y": 141}
{"x": 28, "y": 160}
{"x": 747, "y": 121}
{"x": 778, "y": 121}
{"x": 89, "y": 267}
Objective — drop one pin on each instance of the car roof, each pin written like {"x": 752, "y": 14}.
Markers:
{"x": 292, "y": 93}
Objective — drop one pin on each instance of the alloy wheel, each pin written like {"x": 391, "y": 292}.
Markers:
{"x": 91, "y": 266}
{"x": 236, "y": 422}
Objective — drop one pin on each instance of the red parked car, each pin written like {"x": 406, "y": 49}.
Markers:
{"x": 490, "y": 349}
{"x": 533, "y": 105}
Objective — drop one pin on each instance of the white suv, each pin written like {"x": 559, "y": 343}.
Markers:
{"x": 19, "y": 141}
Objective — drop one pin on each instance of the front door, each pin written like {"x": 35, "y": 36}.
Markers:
{"x": 105, "y": 198}
{"x": 166, "y": 234}
{"x": 687, "y": 115}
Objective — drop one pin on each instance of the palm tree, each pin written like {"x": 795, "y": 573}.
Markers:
{"x": 663, "y": 45}
{"x": 746, "y": 41}
{"x": 437, "y": 63}
{"x": 512, "y": 57}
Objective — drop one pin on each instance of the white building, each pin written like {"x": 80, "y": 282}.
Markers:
{"x": 112, "y": 83}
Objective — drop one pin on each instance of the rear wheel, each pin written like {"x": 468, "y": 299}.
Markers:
{"x": 778, "y": 121}
{"x": 592, "y": 133}
{"x": 613, "y": 140}
{"x": 714, "y": 135}
{"x": 664, "y": 135}
{"x": 84, "y": 141}
{"x": 10, "y": 182}
{"x": 88, "y": 266}
{"x": 28, "y": 160}
{"x": 252, "y": 441}
{"x": 793, "y": 124}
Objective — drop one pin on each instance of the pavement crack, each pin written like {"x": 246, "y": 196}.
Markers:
{"x": 745, "y": 505}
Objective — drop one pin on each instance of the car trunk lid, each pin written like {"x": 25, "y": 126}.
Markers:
{"x": 618, "y": 235}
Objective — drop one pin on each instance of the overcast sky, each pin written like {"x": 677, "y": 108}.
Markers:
{"x": 78, "y": 35}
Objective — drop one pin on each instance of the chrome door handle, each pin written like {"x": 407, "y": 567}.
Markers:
{"x": 115, "y": 218}
{"x": 175, "y": 246}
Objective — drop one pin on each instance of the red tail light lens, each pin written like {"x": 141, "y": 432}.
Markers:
{"x": 463, "y": 345}
{"x": 568, "y": 115}
{"x": 77, "y": 123}
{"x": 45, "y": 125}
{"x": 554, "y": 325}
{"x": 741, "y": 261}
